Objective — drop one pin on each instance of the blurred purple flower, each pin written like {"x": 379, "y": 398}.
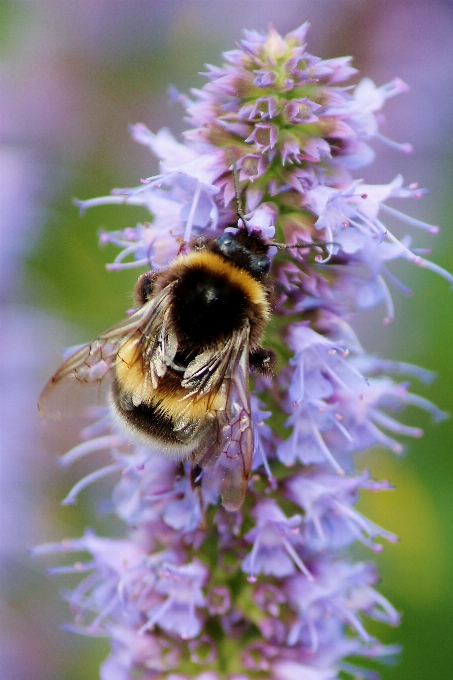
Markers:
{"x": 192, "y": 582}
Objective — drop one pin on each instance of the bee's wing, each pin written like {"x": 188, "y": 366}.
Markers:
{"x": 227, "y": 454}
{"x": 92, "y": 362}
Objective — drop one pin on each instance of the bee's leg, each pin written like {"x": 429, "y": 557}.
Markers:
{"x": 144, "y": 288}
{"x": 263, "y": 360}
{"x": 196, "y": 473}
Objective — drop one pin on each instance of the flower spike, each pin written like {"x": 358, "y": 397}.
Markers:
{"x": 259, "y": 587}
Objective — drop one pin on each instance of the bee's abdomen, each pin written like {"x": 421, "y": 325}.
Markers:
{"x": 163, "y": 421}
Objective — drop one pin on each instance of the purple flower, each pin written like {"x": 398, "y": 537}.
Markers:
{"x": 182, "y": 588}
{"x": 191, "y": 581}
{"x": 273, "y": 551}
{"x": 330, "y": 519}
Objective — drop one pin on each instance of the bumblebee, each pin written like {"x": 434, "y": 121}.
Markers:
{"x": 179, "y": 366}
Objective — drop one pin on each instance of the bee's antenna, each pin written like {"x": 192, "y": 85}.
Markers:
{"x": 240, "y": 214}
{"x": 237, "y": 192}
{"x": 312, "y": 244}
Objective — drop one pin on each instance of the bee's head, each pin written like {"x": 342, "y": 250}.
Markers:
{"x": 247, "y": 250}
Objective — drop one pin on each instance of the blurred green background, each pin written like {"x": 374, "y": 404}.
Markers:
{"x": 74, "y": 75}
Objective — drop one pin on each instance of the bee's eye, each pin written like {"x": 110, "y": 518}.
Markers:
{"x": 225, "y": 240}
{"x": 264, "y": 265}
{"x": 227, "y": 245}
